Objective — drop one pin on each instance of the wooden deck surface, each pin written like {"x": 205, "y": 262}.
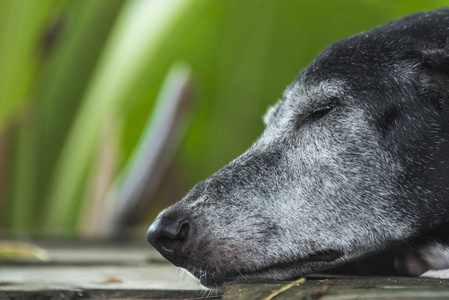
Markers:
{"x": 135, "y": 271}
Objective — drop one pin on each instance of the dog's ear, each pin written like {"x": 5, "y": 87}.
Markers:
{"x": 433, "y": 82}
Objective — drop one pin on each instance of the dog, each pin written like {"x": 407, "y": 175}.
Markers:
{"x": 354, "y": 160}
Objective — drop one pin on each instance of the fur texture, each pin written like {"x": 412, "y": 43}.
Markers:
{"x": 353, "y": 161}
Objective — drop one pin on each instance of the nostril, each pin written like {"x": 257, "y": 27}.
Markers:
{"x": 172, "y": 242}
{"x": 168, "y": 234}
{"x": 183, "y": 231}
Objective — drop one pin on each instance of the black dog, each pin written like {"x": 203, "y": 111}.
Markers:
{"x": 354, "y": 160}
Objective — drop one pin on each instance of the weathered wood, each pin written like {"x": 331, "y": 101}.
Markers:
{"x": 154, "y": 276}
{"x": 346, "y": 288}
{"x": 86, "y": 294}
{"x": 136, "y": 271}
{"x": 87, "y": 253}
{"x": 97, "y": 271}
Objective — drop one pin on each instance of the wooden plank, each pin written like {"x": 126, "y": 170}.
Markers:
{"x": 96, "y": 271}
{"x": 100, "y": 294}
{"x": 149, "y": 276}
{"x": 98, "y": 253}
{"x": 91, "y": 254}
{"x": 346, "y": 288}
{"x": 408, "y": 294}
{"x": 136, "y": 271}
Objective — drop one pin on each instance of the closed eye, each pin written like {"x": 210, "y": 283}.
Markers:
{"x": 320, "y": 112}
{"x": 316, "y": 114}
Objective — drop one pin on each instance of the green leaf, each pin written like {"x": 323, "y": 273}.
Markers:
{"x": 139, "y": 30}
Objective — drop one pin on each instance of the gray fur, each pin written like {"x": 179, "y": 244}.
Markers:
{"x": 317, "y": 190}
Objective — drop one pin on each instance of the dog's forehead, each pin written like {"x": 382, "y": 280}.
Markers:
{"x": 307, "y": 92}
{"x": 345, "y": 66}
{"x": 353, "y": 67}
{"x": 373, "y": 61}
{"x": 301, "y": 97}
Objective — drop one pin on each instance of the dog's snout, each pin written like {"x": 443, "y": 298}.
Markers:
{"x": 168, "y": 234}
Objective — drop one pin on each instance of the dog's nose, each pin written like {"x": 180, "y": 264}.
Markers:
{"x": 168, "y": 234}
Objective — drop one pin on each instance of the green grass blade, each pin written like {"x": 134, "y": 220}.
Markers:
{"x": 142, "y": 175}
{"x": 84, "y": 28}
{"x": 141, "y": 26}
{"x": 22, "y": 28}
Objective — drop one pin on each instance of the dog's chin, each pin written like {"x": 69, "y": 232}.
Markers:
{"x": 283, "y": 271}
{"x": 220, "y": 281}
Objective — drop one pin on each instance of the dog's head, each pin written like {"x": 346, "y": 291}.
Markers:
{"x": 353, "y": 160}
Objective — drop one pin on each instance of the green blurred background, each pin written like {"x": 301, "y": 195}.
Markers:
{"x": 111, "y": 110}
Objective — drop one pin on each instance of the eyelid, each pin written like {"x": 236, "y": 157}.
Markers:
{"x": 323, "y": 107}
{"x": 320, "y": 112}
{"x": 314, "y": 114}
{"x": 332, "y": 101}
{"x": 329, "y": 104}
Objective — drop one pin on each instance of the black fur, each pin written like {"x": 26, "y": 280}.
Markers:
{"x": 354, "y": 162}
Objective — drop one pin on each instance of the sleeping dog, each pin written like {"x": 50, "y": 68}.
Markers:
{"x": 354, "y": 160}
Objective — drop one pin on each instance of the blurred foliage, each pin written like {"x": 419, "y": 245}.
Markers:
{"x": 79, "y": 81}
